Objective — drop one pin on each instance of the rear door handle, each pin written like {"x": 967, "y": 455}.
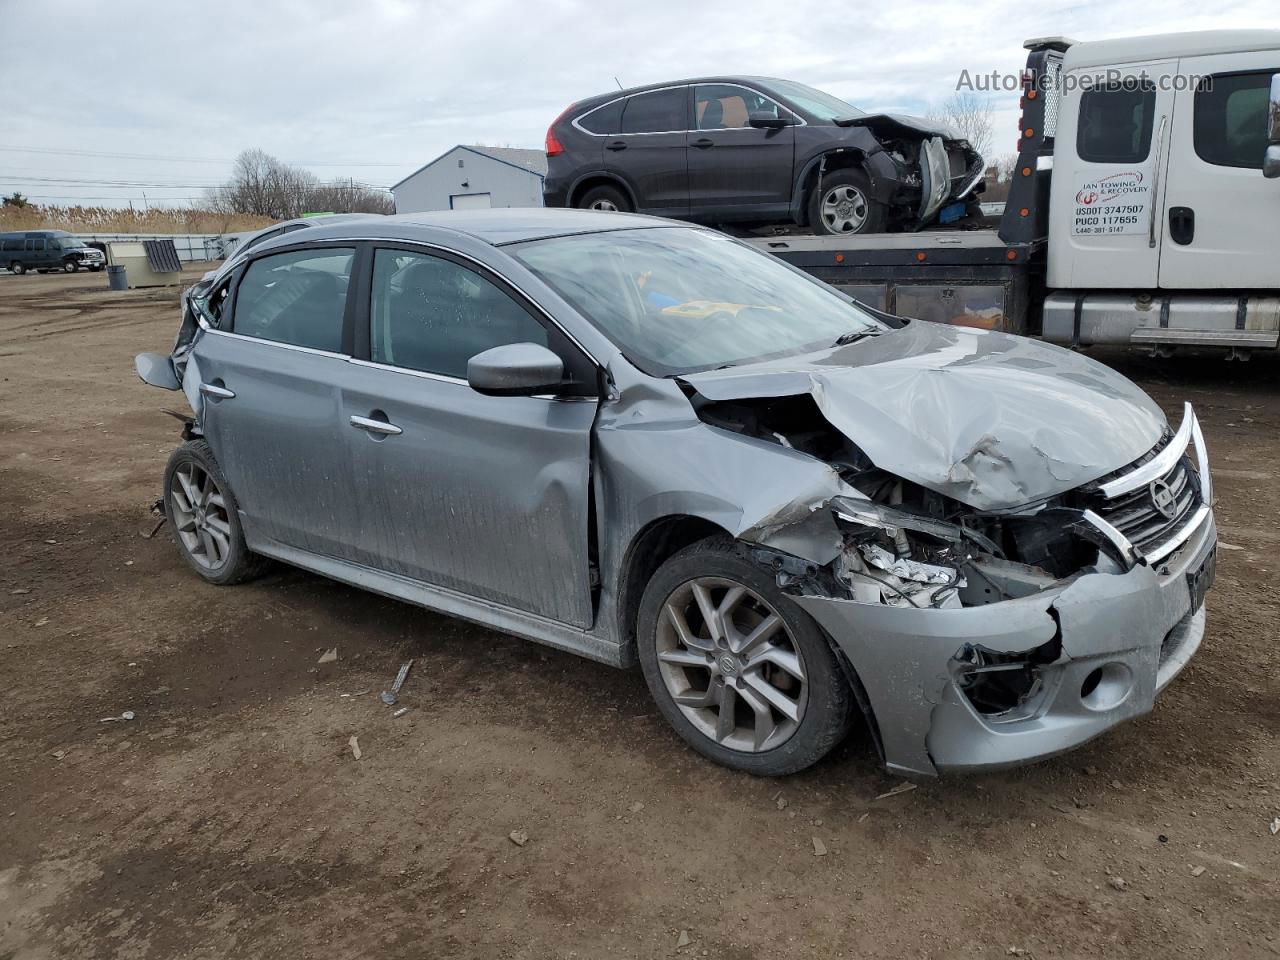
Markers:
{"x": 376, "y": 426}
{"x": 703, "y": 143}
{"x": 616, "y": 145}
{"x": 216, "y": 391}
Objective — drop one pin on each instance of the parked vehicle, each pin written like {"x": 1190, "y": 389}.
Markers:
{"x": 636, "y": 440}
{"x": 722, "y": 150}
{"x": 1141, "y": 212}
{"x": 45, "y": 250}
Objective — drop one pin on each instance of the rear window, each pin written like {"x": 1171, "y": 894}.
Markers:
{"x": 657, "y": 112}
{"x": 1115, "y": 123}
{"x": 603, "y": 120}
{"x": 1230, "y": 119}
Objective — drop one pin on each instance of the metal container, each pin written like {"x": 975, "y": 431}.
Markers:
{"x": 117, "y": 278}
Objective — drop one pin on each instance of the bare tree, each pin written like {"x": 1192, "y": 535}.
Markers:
{"x": 261, "y": 185}
{"x": 970, "y": 114}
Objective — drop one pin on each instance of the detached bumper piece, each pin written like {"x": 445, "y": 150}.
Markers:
{"x": 996, "y": 685}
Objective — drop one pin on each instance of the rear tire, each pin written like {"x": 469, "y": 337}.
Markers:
{"x": 842, "y": 206}
{"x": 606, "y": 198}
{"x": 203, "y": 514}
{"x": 767, "y": 660}
{"x": 17, "y": 268}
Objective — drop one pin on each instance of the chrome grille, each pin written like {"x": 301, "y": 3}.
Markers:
{"x": 1138, "y": 516}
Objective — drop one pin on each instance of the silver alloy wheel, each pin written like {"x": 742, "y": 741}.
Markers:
{"x": 731, "y": 665}
{"x": 603, "y": 205}
{"x": 200, "y": 516}
{"x": 844, "y": 209}
{"x": 70, "y": 266}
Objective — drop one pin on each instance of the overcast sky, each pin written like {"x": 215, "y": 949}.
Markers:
{"x": 376, "y": 88}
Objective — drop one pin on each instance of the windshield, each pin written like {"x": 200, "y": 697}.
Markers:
{"x": 67, "y": 243}
{"x": 822, "y": 105}
{"x": 679, "y": 300}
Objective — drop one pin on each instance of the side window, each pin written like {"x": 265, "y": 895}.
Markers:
{"x": 431, "y": 314}
{"x": 603, "y": 120}
{"x": 35, "y": 244}
{"x": 254, "y": 241}
{"x": 10, "y": 245}
{"x": 297, "y": 297}
{"x": 1230, "y": 119}
{"x": 1115, "y": 123}
{"x": 658, "y": 112}
{"x": 718, "y": 106}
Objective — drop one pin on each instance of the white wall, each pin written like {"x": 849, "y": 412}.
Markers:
{"x": 430, "y": 189}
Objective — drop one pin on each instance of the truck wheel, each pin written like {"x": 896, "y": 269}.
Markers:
{"x": 604, "y": 198}
{"x": 744, "y": 676}
{"x": 71, "y": 266}
{"x": 842, "y": 205}
{"x": 17, "y": 268}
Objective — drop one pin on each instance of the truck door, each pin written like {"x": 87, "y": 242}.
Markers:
{"x": 1220, "y": 212}
{"x": 1110, "y": 154}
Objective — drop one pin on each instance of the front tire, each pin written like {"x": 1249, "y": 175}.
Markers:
{"x": 744, "y": 676}
{"x": 202, "y": 511}
{"x": 70, "y": 266}
{"x": 606, "y": 198}
{"x": 842, "y": 206}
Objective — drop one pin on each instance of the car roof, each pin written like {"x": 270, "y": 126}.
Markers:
{"x": 599, "y": 98}
{"x": 496, "y": 226}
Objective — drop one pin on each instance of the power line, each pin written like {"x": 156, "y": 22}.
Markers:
{"x": 170, "y": 184}
{"x": 150, "y": 156}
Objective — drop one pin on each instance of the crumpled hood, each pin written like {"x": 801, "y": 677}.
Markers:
{"x": 989, "y": 419}
{"x": 904, "y": 123}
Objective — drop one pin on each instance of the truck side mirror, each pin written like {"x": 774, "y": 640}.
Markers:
{"x": 1271, "y": 162}
{"x": 1273, "y": 110}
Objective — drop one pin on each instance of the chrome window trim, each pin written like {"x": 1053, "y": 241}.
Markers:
{"x": 800, "y": 121}
{"x": 1162, "y": 462}
{"x": 456, "y": 381}
{"x": 277, "y": 343}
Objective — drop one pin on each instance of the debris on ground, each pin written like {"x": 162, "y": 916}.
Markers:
{"x": 518, "y": 837}
{"x": 20, "y": 591}
{"x": 1120, "y": 883}
{"x": 819, "y": 848}
{"x": 782, "y": 803}
{"x": 389, "y": 696}
{"x": 358, "y": 693}
{"x": 399, "y": 713}
{"x": 1091, "y": 771}
{"x": 1196, "y": 871}
{"x": 354, "y": 743}
{"x": 59, "y": 754}
{"x": 329, "y": 656}
{"x": 683, "y": 940}
{"x": 904, "y": 787}
{"x": 1275, "y": 826}
{"x": 127, "y": 715}
{"x": 42, "y": 621}
{"x": 864, "y": 816}
{"x": 636, "y": 807}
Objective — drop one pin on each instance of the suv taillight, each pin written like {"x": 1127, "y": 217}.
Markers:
{"x": 554, "y": 146}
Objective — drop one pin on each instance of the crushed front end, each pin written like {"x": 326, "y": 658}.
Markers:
{"x": 984, "y": 639}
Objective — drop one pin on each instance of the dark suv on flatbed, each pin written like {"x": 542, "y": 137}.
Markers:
{"x": 758, "y": 150}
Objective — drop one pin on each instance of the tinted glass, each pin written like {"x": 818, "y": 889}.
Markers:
{"x": 603, "y": 120}
{"x": 11, "y": 244}
{"x": 822, "y": 105}
{"x": 35, "y": 244}
{"x": 269, "y": 235}
{"x": 1231, "y": 114}
{"x": 656, "y": 112}
{"x": 434, "y": 315}
{"x": 724, "y": 107}
{"x": 1115, "y": 123}
{"x": 677, "y": 300}
{"x": 296, "y": 297}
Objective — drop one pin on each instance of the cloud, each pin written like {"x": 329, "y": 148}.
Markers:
{"x": 398, "y": 82}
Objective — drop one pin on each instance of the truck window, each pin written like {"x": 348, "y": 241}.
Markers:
{"x": 1115, "y": 122}
{"x": 1230, "y": 119}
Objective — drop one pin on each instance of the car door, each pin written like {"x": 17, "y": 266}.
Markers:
{"x": 736, "y": 169}
{"x": 1111, "y": 148}
{"x": 648, "y": 153}
{"x": 1220, "y": 211}
{"x": 270, "y": 382}
{"x": 485, "y": 495}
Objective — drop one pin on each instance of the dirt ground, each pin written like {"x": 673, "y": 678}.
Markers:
{"x": 231, "y": 819}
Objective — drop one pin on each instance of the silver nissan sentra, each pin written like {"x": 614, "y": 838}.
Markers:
{"x": 643, "y": 441}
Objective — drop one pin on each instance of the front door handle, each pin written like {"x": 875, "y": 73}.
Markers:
{"x": 371, "y": 425}
{"x": 616, "y": 145}
{"x": 216, "y": 391}
{"x": 1182, "y": 225}
{"x": 703, "y": 143}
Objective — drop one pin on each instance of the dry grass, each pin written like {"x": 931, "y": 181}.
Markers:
{"x": 115, "y": 220}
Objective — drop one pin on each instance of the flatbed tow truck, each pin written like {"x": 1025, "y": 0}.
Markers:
{"x": 1144, "y": 208}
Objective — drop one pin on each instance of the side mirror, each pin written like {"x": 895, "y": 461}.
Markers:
{"x": 156, "y": 369}
{"x": 767, "y": 121}
{"x": 515, "y": 370}
{"x": 1271, "y": 162}
{"x": 1273, "y": 110}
